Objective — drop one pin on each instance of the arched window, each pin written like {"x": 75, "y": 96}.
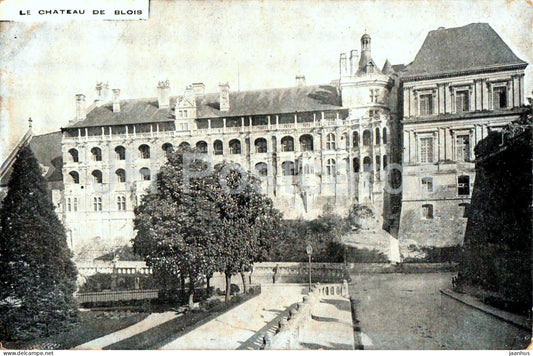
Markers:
{"x": 355, "y": 139}
{"x": 120, "y": 152}
{"x": 97, "y": 176}
{"x": 378, "y": 163}
{"x": 330, "y": 141}
{"x": 262, "y": 169}
{"x": 121, "y": 203}
{"x": 218, "y": 147}
{"x": 378, "y": 136}
{"x": 367, "y": 164}
{"x": 75, "y": 177}
{"x": 121, "y": 175}
{"x": 287, "y": 168}
{"x": 145, "y": 173}
{"x": 356, "y": 165}
{"x": 235, "y": 147}
{"x": 184, "y": 146}
{"x": 331, "y": 167}
{"x": 201, "y": 146}
{"x": 367, "y": 138}
{"x": 74, "y": 155}
{"x": 96, "y": 153}
{"x": 306, "y": 143}
{"x": 385, "y": 135}
{"x": 260, "y": 145}
{"x": 167, "y": 147}
{"x": 144, "y": 151}
{"x": 287, "y": 144}
{"x": 385, "y": 161}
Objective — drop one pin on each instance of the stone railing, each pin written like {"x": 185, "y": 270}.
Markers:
{"x": 298, "y": 272}
{"x": 107, "y": 267}
{"x": 286, "y": 336}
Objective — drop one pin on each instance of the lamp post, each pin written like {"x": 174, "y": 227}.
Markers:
{"x": 309, "y": 250}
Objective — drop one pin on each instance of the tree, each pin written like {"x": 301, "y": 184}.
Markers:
{"x": 205, "y": 228}
{"x": 175, "y": 226}
{"x": 250, "y": 224}
{"x": 38, "y": 277}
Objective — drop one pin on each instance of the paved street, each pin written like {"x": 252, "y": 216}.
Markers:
{"x": 234, "y": 328}
{"x": 331, "y": 326}
{"x": 407, "y": 311}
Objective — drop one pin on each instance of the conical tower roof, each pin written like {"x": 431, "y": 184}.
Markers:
{"x": 387, "y": 68}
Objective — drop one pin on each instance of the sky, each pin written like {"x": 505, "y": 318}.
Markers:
{"x": 250, "y": 44}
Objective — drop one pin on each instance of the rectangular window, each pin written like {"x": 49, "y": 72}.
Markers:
{"x": 75, "y": 204}
{"x": 427, "y": 184}
{"x": 463, "y": 185}
{"x": 427, "y": 211}
{"x": 426, "y": 150}
{"x": 462, "y": 101}
{"x": 97, "y": 204}
{"x": 426, "y": 104}
{"x": 499, "y": 97}
{"x": 121, "y": 203}
{"x": 462, "y": 146}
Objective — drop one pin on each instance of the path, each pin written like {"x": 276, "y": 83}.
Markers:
{"x": 151, "y": 321}
{"x": 331, "y": 326}
{"x": 236, "y": 327}
{"x": 407, "y": 311}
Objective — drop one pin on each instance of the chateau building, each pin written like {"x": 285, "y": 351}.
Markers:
{"x": 463, "y": 84}
{"x": 336, "y": 144}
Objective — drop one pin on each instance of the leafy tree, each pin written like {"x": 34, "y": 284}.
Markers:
{"x": 38, "y": 277}
{"x": 203, "y": 229}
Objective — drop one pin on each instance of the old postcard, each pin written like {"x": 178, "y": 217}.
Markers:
{"x": 265, "y": 175}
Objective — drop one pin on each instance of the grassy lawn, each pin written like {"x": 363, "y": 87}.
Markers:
{"x": 166, "y": 332}
{"x": 92, "y": 325}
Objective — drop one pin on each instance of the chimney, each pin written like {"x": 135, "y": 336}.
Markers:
{"x": 300, "y": 81}
{"x": 116, "y": 100}
{"x": 163, "y": 94}
{"x": 199, "y": 88}
{"x": 354, "y": 61}
{"x": 102, "y": 91}
{"x": 224, "y": 96}
{"x": 343, "y": 69}
{"x": 81, "y": 113}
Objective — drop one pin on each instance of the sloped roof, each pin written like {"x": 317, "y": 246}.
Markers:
{"x": 387, "y": 68}
{"x": 47, "y": 150}
{"x": 474, "y": 46}
{"x": 397, "y": 68}
{"x": 245, "y": 103}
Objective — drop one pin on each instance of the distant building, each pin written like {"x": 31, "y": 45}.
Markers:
{"x": 311, "y": 146}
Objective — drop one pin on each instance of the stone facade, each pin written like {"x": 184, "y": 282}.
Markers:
{"x": 445, "y": 115}
{"x": 311, "y": 146}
